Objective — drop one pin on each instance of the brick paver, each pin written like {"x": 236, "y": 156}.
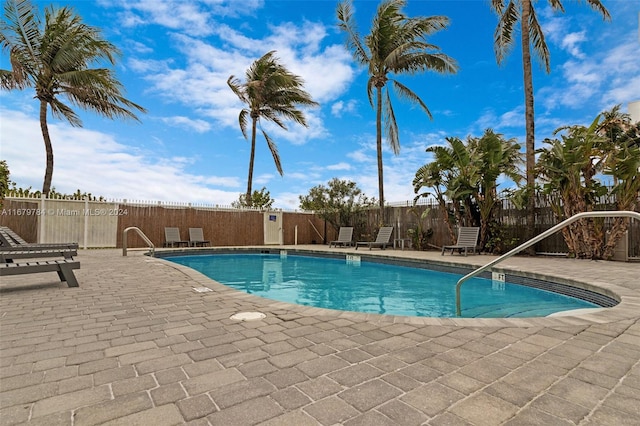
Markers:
{"x": 135, "y": 344}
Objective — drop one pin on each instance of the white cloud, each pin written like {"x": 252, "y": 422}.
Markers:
{"x": 95, "y": 162}
{"x": 486, "y": 120}
{"x": 149, "y": 65}
{"x": 603, "y": 79}
{"x": 198, "y": 126}
{"x": 341, "y": 107}
{"x": 339, "y": 166}
{"x": 489, "y": 119}
{"x": 622, "y": 91}
{"x": 581, "y": 72}
{"x": 601, "y": 70}
{"x": 259, "y": 181}
{"x": 139, "y": 48}
{"x": 362, "y": 156}
{"x": 326, "y": 72}
{"x": 202, "y": 82}
{"x": 622, "y": 60}
{"x": 177, "y": 15}
{"x": 192, "y": 17}
{"x": 571, "y": 42}
{"x": 288, "y": 200}
{"x": 307, "y": 36}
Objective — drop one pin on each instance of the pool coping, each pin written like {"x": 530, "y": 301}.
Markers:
{"x": 627, "y": 308}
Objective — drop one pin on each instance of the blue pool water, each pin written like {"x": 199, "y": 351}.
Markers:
{"x": 375, "y": 288}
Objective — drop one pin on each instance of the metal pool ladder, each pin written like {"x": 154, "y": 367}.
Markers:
{"x": 545, "y": 234}
{"x": 152, "y": 248}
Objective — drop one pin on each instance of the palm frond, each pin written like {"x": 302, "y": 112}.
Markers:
{"x": 19, "y": 77}
{"x": 21, "y": 28}
{"x": 347, "y": 23}
{"x": 237, "y": 88}
{"x": 6, "y": 80}
{"x": 270, "y": 114}
{"x": 60, "y": 110}
{"x": 421, "y": 27}
{"x": 421, "y": 61}
{"x": 294, "y": 115}
{"x": 370, "y": 90}
{"x": 20, "y": 37}
{"x": 243, "y": 121}
{"x": 390, "y": 124}
{"x": 274, "y": 152}
{"x": 598, "y": 6}
{"x": 408, "y": 94}
{"x": 504, "y": 34}
{"x": 538, "y": 41}
{"x": 498, "y": 6}
{"x": 99, "y": 91}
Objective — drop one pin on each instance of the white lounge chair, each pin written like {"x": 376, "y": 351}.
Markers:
{"x": 382, "y": 239}
{"x": 344, "y": 237}
{"x": 172, "y": 236}
{"x": 196, "y": 237}
{"x": 467, "y": 239}
{"x": 9, "y": 240}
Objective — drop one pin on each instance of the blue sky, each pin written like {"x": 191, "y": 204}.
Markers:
{"x": 178, "y": 55}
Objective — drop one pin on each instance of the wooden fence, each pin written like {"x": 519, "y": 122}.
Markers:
{"x": 511, "y": 220}
{"x": 100, "y": 224}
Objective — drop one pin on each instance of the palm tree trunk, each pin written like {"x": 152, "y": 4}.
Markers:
{"x": 620, "y": 226}
{"x": 254, "y": 126}
{"x": 379, "y": 150}
{"x": 48, "y": 174}
{"x": 445, "y": 217}
{"x": 529, "y": 122}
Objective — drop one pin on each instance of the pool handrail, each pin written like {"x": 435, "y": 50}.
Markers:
{"x": 545, "y": 234}
{"x": 152, "y": 248}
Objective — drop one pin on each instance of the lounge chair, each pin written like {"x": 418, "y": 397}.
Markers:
{"x": 9, "y": 240}
{"x": 196, "y": 237}
{"x": 344, "y": 237}
{"x": 382, "y": 239}
{"x": 172, "y": 236}
{"x": 64, "y": 268}
{"x": 467, "y": 239}
{"x": 7, "y": 256}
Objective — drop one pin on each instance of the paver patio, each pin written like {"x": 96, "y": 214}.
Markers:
{"x": 136, "y": 345}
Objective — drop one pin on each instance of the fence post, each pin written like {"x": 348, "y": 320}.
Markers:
{"x": 86, "y": 221}
{"x": 42, "y": 219}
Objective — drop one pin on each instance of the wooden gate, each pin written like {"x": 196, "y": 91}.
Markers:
{"x": 273, "y": 228}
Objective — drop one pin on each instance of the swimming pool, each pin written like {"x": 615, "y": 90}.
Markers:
{"x": 350, "y": 284}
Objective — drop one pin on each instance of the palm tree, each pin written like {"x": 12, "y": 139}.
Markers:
{"x": 626, "y": 190}
{"x": 451, "y": 176}
{"x": 494, "y": 156}
{"x": 55, "y": 59}
{"x": 510, "y": 12}
{"x": 467, "y": 175}
{"x": 436, "y": 176}
{"x": 568, "y": 168}
{"x": 396, "y": 44}
{"x": 614, "y": 127}
{"x": 273, "y": 93}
